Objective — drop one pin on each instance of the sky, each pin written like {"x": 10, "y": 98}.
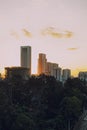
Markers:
{"x": 57, "y": 28}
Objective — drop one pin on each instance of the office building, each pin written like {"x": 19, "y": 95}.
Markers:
{"x": 54, "y": 70}
{"x": 26, "y": 57}
{"x": 51, "y": 67}
{"x": 58, "y": 74}
{"x": 82, "y": 76}
{"x": 21, "y": 72}
{"x": 66, "y": 73}
{"x": 42, "y": 63}
{"x": 48, "y": 68}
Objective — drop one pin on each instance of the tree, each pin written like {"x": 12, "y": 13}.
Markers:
{"x": 71, "y": 109}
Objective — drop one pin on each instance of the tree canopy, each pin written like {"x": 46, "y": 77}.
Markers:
{"x": 41, "y": 103}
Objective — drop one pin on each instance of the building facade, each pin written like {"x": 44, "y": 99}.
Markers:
{"x": 42, "y": 64}
{"x": 66, "y": 73}
{"x": 48, "y": 68}
{"x": 82, "y": 76}
{"x": 26, "y": 57}
{"x": 58, "y": 74}
{"x": 51, "y": 68}
{"x": 11, "y": 72}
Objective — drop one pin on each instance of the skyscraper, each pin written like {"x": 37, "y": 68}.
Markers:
{"x": 54, "y": 70}
{"x": 58, "y": 74}
{"x": 42, "y": 62}
{"x": 26, "y": 57}
{"x": 83, "y": 76}
{"x": 51, "y": 67}
{"x": 66, "y": 74}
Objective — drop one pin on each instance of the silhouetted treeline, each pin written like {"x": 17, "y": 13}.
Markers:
{"x": 41, "y": 103}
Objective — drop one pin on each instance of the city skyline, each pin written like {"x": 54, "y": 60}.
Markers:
{"x": 44, "y": 66}
{"x": 54, "y": 27}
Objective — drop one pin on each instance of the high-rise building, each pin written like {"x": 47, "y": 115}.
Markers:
{"x": 54, "y": 70}
{"x": 58, "y": 74}
{"x": 82, "y": 76}
{"x": 51, "y": 67}
{"x": 26, "y": 57}
{"x": 66, "y": 73}
{"x": 42, "y": 63}
{"x": 48, "y": 68}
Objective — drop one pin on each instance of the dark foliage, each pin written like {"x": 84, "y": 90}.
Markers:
{"x": 41, "y": 103}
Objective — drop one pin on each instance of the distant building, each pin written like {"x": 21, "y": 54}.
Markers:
{"x": 82, "y": 76}
{"x": 48, "y": 68}
{"x": 51, "y": 68}
{"x": 42, "y": 63}
{"x": 26, "y": 57}
{"x": 66, "y": 73}
{"x": 58, "y": 74}
{"x": 54, "y": 67}
{"x": 54, "y": 70}
{"x": 22, "y": 72}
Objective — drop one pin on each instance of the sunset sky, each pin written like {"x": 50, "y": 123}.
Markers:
{"x": 57, "y": 28}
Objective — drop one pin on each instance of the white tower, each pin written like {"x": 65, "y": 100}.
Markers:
{"x": 26, "y": 57}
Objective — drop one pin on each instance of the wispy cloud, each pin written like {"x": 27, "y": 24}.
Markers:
{"x": 51, "y": 31}
{"x": 15, "y": 35}
{"x": 68, "y": 34}
{"x": 72, "y": 49}
{"x": 26, "y": 33}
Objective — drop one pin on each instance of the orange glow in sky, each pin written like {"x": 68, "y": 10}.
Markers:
{"x": 57, "y": 28}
